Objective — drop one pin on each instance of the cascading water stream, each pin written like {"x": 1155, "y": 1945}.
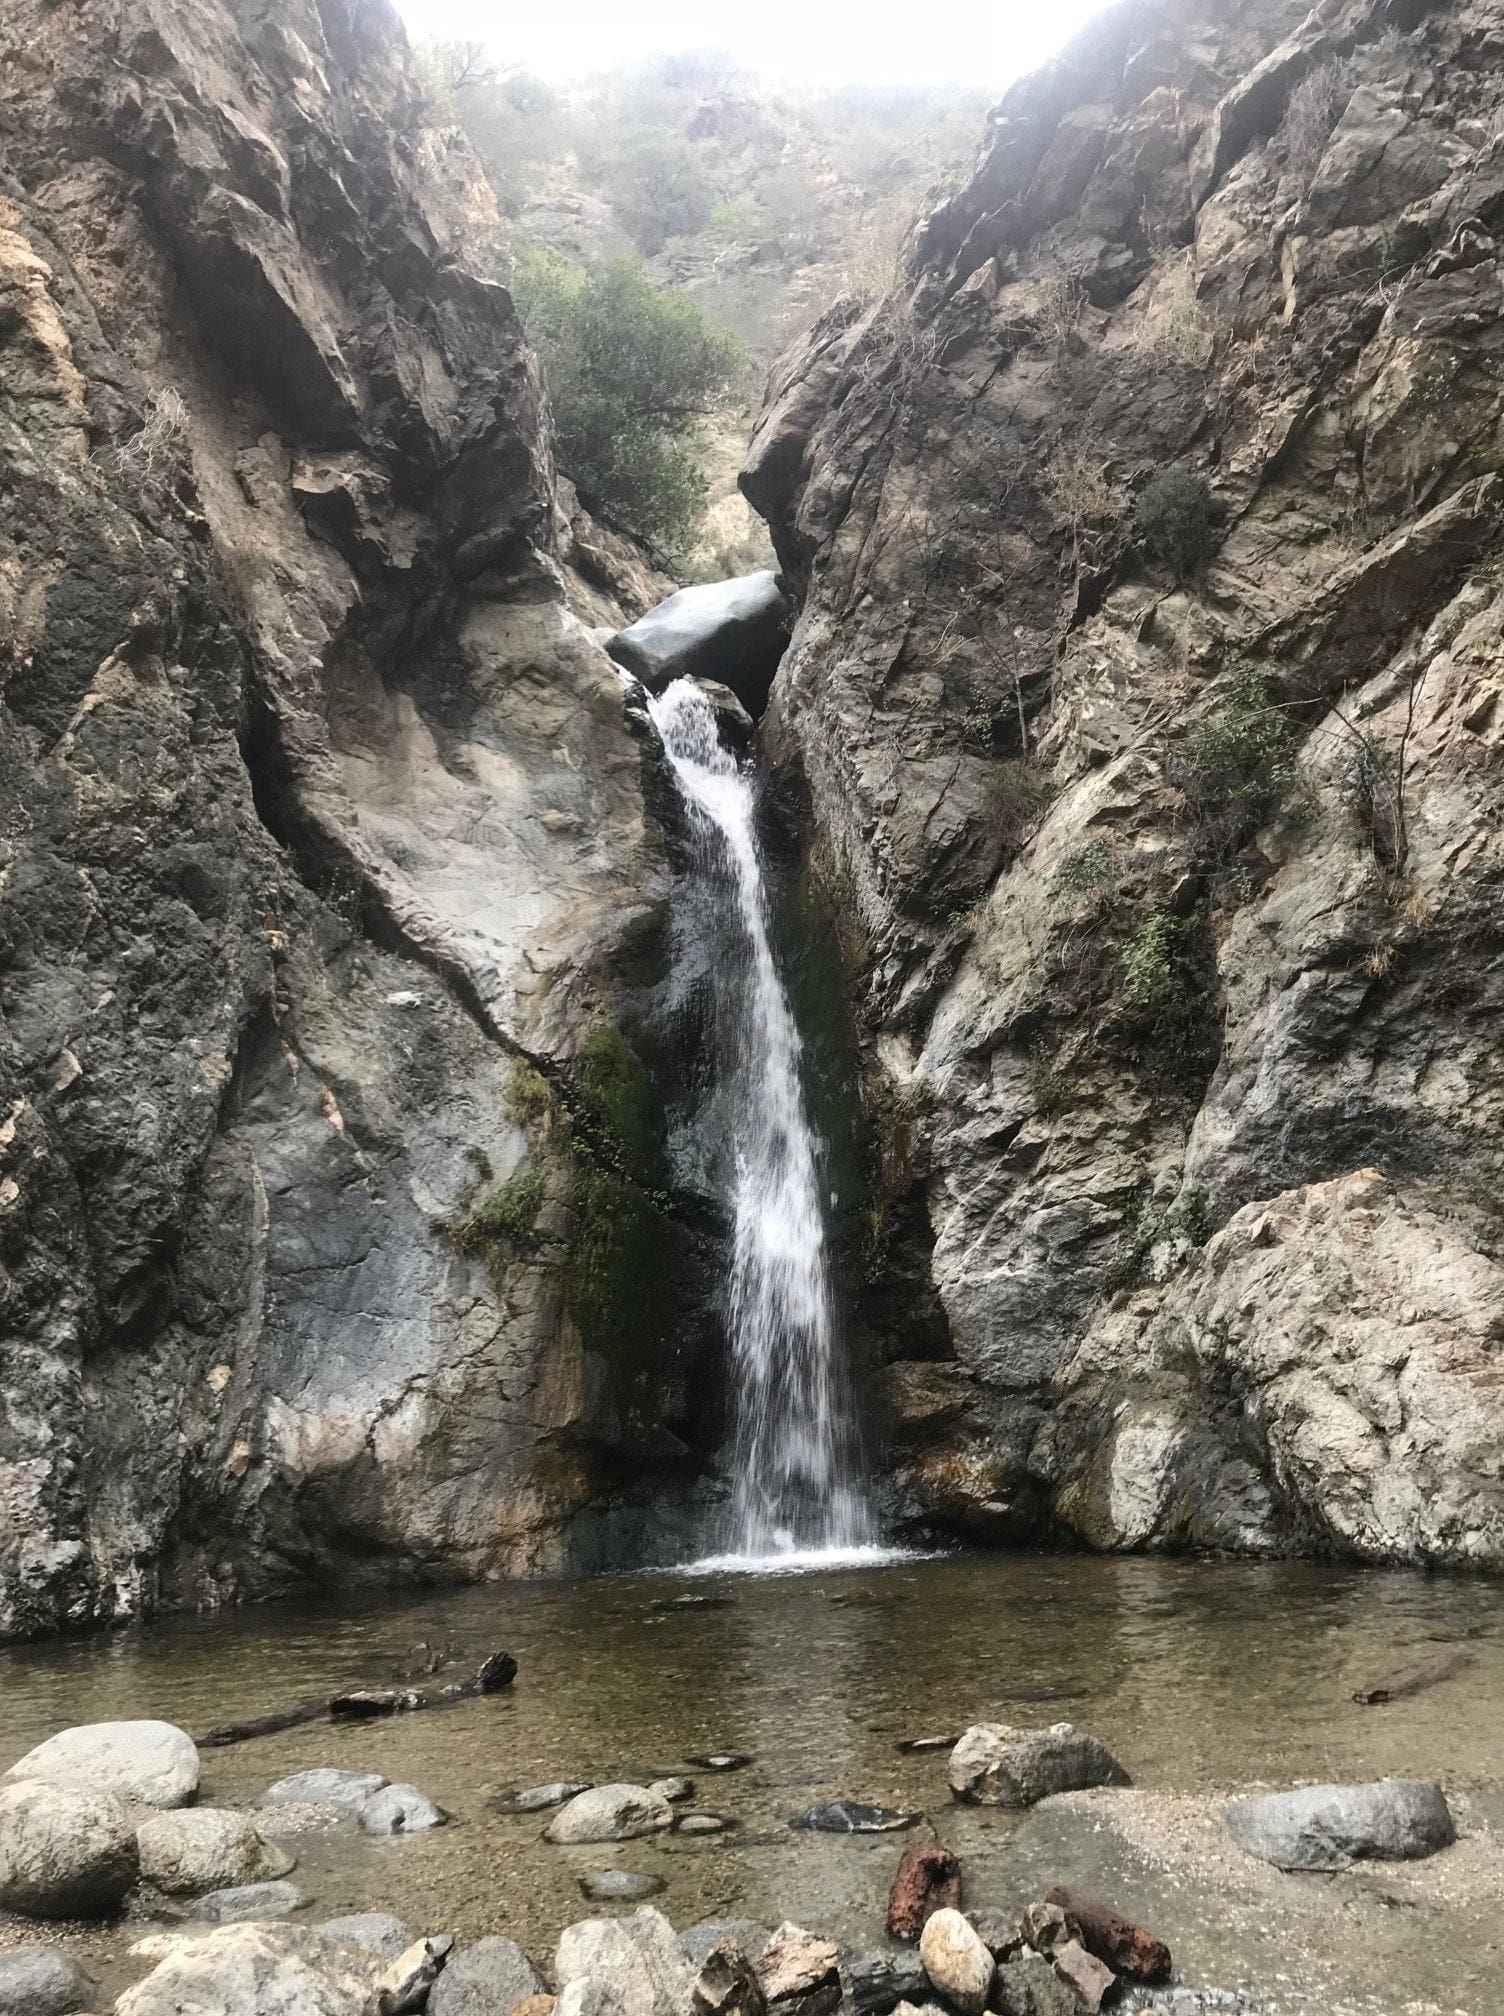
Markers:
{"x": 795, "y": 1494}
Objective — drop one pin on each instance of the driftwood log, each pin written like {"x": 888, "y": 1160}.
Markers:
{"x": 358, "y": 1704}
{"x": 1412, "y": 1679}
{"x": 1111, "y": 1938}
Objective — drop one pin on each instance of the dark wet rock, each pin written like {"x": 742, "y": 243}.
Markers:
{"x": 928, "y": 1880}
{"x": 638, "y": 1957}
{"x": 40, "y": 1981}
{"x": 956, "y": 1962}
{"x": 702, "y": 1823}
{"x": 536, "y": 1798}
{"x": 733, "y": 632}
{"x": 720, "y": 1760}
{"x": 610, "y": 1813}
{"x": 737, "y": 730}
{"x": 479, "y": 1980}
{"x": 672, "y": 1789}
{"x": 696, "y": 1942}
{"x": 800, "y": 1973}
{"x": 620, "y": 1886}
{"x": 371, "y": 1931}
{"x": 850, "y": 1816}
{"x": 207, "y": 1848}
{"x": 241, "y": 1902}
{"x": 1330, "y": 1826}
{"x": 400, "y": 1809}
{"x": 694, "y": 1599}
{"x": 915, "y": 1746}
{"x": 1029, "y": 1986}
{"x": 727, "y": 1984}
{"x": 876, "y": 1984}
{"x": 1125, "y": 1947}
{"x": 64, "y": 1852}
{"x": 998, "y": 1932}
{"x": 154, "y": 1763}
{"x": 324, "y": 1786}
{"x": 994, "y": 1765}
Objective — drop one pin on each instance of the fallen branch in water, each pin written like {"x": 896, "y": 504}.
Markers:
{"x": 1412, "y": 1680}
{"x": 364, "y": 1703}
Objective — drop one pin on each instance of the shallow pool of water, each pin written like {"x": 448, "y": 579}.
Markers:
{"x": 1201, "y": 1676}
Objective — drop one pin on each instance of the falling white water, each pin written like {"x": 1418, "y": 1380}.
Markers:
{"x": 795, "y": 1501}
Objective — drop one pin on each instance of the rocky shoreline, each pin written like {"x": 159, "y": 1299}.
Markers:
{"x": 103, "y": 1822}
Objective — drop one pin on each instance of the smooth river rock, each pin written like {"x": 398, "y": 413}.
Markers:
{"x": 400, "y": 1809}
{"x": 620, "y": 1886}
{"x": 994, "y": 1765}
{"x": 491, "y": 1975}
{"x": 370, "y": 1931}
{"x": 40, "y": 1981}
{"x": 536, "y": 1798}
{"x": 639, "y": 1957}
{"x": 733, "y": 632}
{"x": 956, "y": 1961}
{"x": 65, "y": 1851}
{"x": 1330, "y": 1826}
{"x": 255, "y": 1970}
{"x": 610, "y": 1813}
{"x": 206, "y": 1848}
{"x": 154, "y": 1763}
{"x": 242, "y": 1902}
{"x": 324, "y": 1786}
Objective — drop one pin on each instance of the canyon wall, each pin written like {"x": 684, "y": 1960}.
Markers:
{"x": 324, "y": 842}
{"x": 1147, "y": 703}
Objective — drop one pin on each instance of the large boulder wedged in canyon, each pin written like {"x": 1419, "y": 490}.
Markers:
{"x": 1145, "y": 701}
{"x": 320, "y": 827}
{"x": 730, "y": 632}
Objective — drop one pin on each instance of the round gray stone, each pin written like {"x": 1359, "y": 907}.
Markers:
{"x": 40, "y": 1981}
{"x": 349, "y": 1790}
{"x": 489, "y": 1976}
{"x": 155, "y": 1763}
{"x": 65, "y": 1852}
{"x": 400, "y": 1809}
{"x": 242, "y": 1902}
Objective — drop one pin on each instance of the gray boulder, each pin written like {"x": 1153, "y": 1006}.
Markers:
{"x": 1029, "y": 1986}
{"x": 255, "y": 1970}
{"x": 994, "y": 1765}
{"x": 206, "y": 1848}
{"x": 733, "y": 632}
{"x": 39, "y": 1981}
{"x": 348, "y": 1790}
{"x": 536, "y": 1798}
{"x": 1330, "y": 1826}
{"x": 375, "y": 1932}
{"x": 489, "y": 1976}
{"x": 400, "y": 1809}
{"x": 65, "y": 1852}
{"x": 639, "y": 1956}
{"x": 154, "y": 1763}
{"x": 242, "y": 1902}
{"x": 610, "y": 1813}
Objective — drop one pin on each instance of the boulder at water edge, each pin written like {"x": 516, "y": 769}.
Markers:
{"x": 733, "y": 632}
{"x": 255, "y": 1970}
{"x": 958, "y": 1965}
{"x": 39, "y": 1981}
{"x": 65, "y": 1851}
{"x": 1329, "y": 1826}
{"x": 610, "y": 1813}
{"x": 151, "y": 1762}
{"x": 400, "y": 1809}
{"x": 638, "y": 1956}
{"x": 242, "y": 1902}
{"x": 994, "y": 1765}
{"x": 480, "y": 1979}
{"x": 206, "y": 1848}
{"x": 370, "y": 1931}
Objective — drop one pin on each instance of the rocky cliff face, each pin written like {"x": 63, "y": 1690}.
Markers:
{"x": 1147, "y": 697}
{"x": 320, "y": 825}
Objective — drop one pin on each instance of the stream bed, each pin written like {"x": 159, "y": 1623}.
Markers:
{"x": 1203, "y": 1677}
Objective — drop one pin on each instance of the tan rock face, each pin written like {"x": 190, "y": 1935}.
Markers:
{"x": 1119, "y": 1011}
{"x": 318, "y": 806}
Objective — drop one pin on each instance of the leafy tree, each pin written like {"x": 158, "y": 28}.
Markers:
{"x": 1176, "y": 518}
{"x": 632, "y": 371}
{"x": 657, "y": 186}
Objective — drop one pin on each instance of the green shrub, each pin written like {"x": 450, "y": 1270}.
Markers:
{"x": 632, "y": 371}
{"x": 1189, "y": 1217}
{"x": 1157, "y": 980}
{"x": 1238, "y": 762}
{"x": 1176, "y": 520}
{"x": 1083, "y": 873}
{"x": 528, "y": 1096}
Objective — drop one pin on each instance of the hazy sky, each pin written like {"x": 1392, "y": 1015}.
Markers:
{"x": 985, "y": 43}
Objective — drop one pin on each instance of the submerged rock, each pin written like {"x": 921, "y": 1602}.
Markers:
{"x": 155, "y": 1763}
{"x": 928, "y": 1880}
{"x": 370, "y": 1931}
{"x": 478, "y": 1980}
{"x": 610, "y": 1813}
{"x": 400, "y": 1809}
{"x": 702, "y": 1823}
{"x": 324, "y": 1786}
{"x": 1331, "y": 1826}
{"x": 850, "y": 1816}
{"x": 638, "y": 1956}
{"x": 40, "y": 1981}
{"x": 956, "y": 1961}
{"x": 536, "y": 1798}
{"x": 994, "y": 1765}
{"x": 620, "y": 1886}
{"x": 206, "y": 1848}
{"x": 733, "y": 632}
{"x": 242, "y": 1902}
{"x": 65, "y": 1852}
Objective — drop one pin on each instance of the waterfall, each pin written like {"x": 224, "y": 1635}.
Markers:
{"x": 794, "y": 1492}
